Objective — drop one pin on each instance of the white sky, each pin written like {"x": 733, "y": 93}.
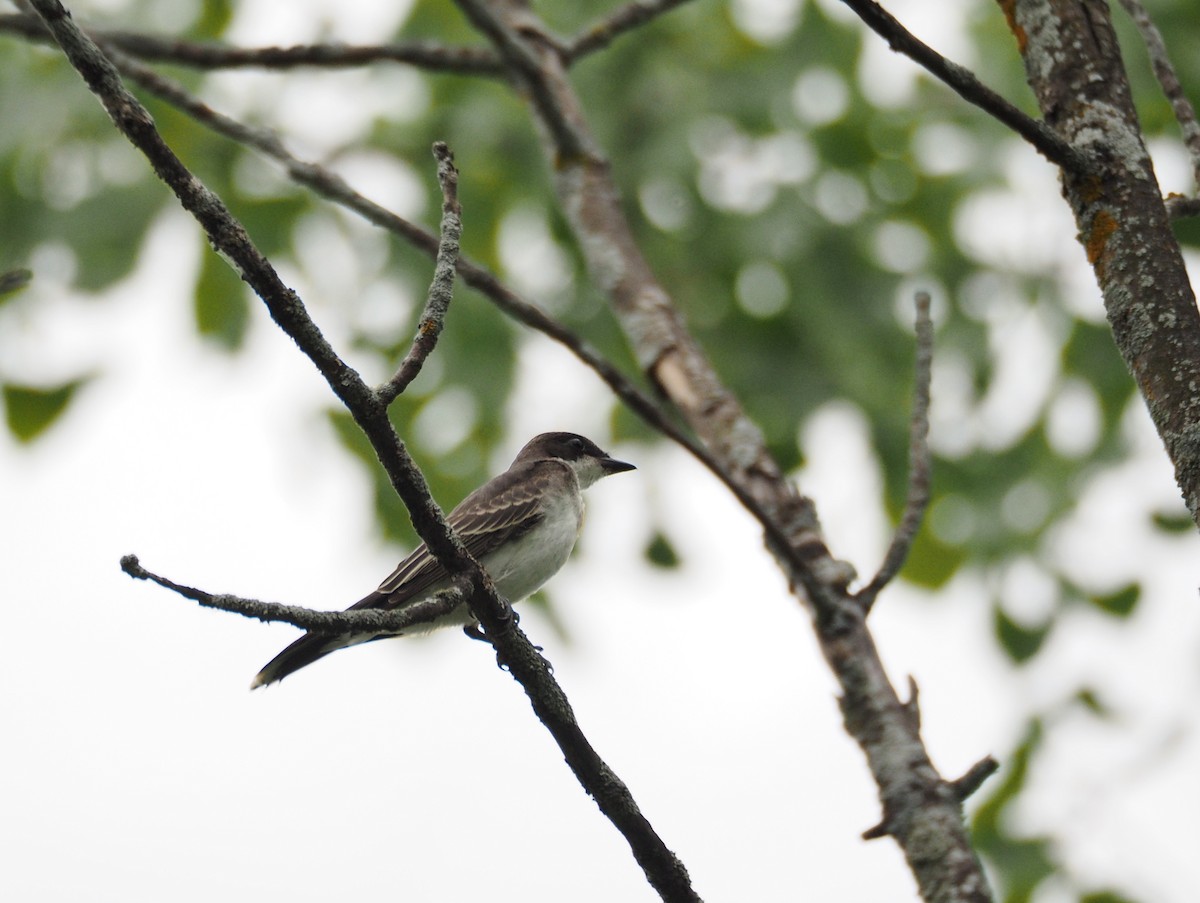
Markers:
{"x": 140, "y": 768}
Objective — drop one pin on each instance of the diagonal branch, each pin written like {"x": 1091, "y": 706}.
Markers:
{"x": 919, "y": 463}
{"x": 922, "y": 810}
{"x": 670, "y": 355}
{"x": 513, "y": 648}
{"x": 964, "y": 83}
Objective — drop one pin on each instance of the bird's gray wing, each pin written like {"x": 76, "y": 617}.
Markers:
{"x": 501, "y": 510}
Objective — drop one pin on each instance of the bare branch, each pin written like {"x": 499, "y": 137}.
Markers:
{"x": 919, "y": 461}
{"x": 1164, "y": 71}
{"x": 366, "y": 620}
{"x": 964, "y": 83}
{"x": 209, "y": 55}
{"x": 441, "y": 290}
{"x": 604, "y": 31}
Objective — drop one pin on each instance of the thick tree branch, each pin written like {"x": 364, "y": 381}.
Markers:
{"x": 921, "y": 809}
{"x": 920, "y": 461}
{"x": 437, "y": 302}
{"x": 1073, "y": 62}
{"x": 964, "y": 83}
{"x": 512, "y": 647}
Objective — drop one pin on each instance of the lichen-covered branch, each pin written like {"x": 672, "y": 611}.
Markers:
{"x": 921, "y": 810}
{"x": 920, "y": 461}
{"x": 437, "y": 301}
{"x": 1074, "y": 65}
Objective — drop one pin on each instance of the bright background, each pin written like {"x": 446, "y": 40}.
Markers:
{"x": 138, "y": 767}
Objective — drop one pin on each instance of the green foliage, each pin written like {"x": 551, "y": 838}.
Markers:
{"x": 31, "y": 410}
{"x": 661, "y": 553}
{"x": 1121, "y": 603}
{"x": 1173, "y": 522}
{"x": 1020, "y": 642}
{"x": 221, "y": 306}
{"x": 1106, "y": 896}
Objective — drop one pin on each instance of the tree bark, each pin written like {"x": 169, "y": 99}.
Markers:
{"x": 1074, "y": 65}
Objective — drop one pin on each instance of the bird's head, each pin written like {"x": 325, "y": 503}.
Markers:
{"x": 584, "y": 456}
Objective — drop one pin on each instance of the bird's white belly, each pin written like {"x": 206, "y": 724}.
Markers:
{"x": 520, "y": 569}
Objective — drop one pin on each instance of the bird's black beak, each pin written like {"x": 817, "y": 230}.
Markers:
{"x": 612, "y": 465}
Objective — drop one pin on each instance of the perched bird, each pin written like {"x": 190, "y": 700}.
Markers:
{"x": 521, "y": 526}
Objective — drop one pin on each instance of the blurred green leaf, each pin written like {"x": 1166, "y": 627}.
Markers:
{"x": 215, "y": 16}
{"x": 1121, "y": 603}
{"x": 1021, "y": 643}
{"x": 221, "y": 307}
{"x": 1106, "y": 896}
{"x": 31, "y": 410}
{"x": 1173, "y": 522}
{"x": 13, "y": 281}
{"x": 1090, "y": 700}
{"x": 931, "y": 563}
{"x": 660, "y": 552}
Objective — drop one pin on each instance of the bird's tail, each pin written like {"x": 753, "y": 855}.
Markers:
{"x": 313, "y": 646}
{"x": 304, "y": 651}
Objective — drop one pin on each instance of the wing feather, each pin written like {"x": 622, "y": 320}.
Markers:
{"x": 502, "y": 509}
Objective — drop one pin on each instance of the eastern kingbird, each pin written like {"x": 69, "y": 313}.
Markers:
{"x": 521, "y": 526}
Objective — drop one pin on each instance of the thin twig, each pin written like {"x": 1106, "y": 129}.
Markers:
{"x": 426, "y": 55}
{"x": 964, "y": 83}
{"x": 919, "y": 461}
{"x": 441, "y": 290}
{"x": 1185, "y": 113}
{"x": 604, "y": 31}
{"x": 365, "y": 620}
{"x": 209, "y": 55}
{"x": 975, "y": 776}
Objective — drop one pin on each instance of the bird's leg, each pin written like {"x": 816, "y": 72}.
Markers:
{"x": 475, "y": 633}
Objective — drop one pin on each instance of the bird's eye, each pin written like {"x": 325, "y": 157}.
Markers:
{"x": 576, "y": 443}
